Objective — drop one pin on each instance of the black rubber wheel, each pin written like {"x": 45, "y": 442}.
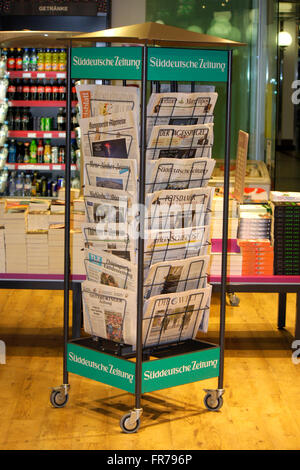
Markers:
{"x": 58, "y": 399}
{"x": 126, "y": 426}
{"x": 211, "y": 404}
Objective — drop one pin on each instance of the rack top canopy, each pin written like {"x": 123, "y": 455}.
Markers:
{"x": 156, "y": 34}
{"x": 29, "y": 38}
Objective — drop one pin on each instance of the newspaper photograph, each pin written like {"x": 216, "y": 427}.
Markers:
{"x": 180, "y": 109}
{"x": 102, "y": 100}
{"x": 174, "y": 317}
{"x": 168, "y": 173}
{"x": 180, "y": 142}
{"x": 109, "y": 312}
{"x": 112, "y": 136}
{"x": 120, "y": 245}
{"x": 170, "y": 209}
{"x": 177, "y": 276}
{"x": 111, "y": 174}
{"x": 110, "y": 270}
{"x": 165, "y": 245}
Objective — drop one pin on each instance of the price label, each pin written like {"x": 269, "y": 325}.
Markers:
{"x": 48, "y": 135}
{"x": 41, "y": 75}
{"x": 31, "y": 134}
{"x": 56, "y": 167}
{"x": 26, "y": 75}
{"x": 61, "y": 134}
{"x": 61, "y": 75}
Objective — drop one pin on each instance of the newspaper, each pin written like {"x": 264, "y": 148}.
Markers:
{"x": 101, "y": 100}
{"x": 109, "y": 312}
{"x": 112, "y": 242}
{"x": 174, "y": 317}
{"x": 165, "y": 245}
{"x": 112, "y": 195}
{"x": 111, "y": 136}
{"x": 174, "y": 173}
{"x": 180, "y": 142}
{"x": 203, "y": 327}
{"x": 169, "y": 209}
{"x": 180, "y": 109}
{"x": 111, "y": 173}
{"x": 104, "y": 268}
{"x": 177, "y": 276}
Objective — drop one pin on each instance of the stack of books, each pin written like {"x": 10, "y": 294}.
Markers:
{"x": 15, "y": 239}
{"x": 255, "y": 222}
{"x": 258, "y": 257}
{"x": 286, "y": 235}
{"x": 2, "y": 251}
{"x": 77, "y": 252}
{"x": 57, "y": 213}
{"x": 56, "y": 249}
{"x": 37, "y": 253}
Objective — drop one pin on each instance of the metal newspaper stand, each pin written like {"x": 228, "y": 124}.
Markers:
{"x": 147, "y": 369}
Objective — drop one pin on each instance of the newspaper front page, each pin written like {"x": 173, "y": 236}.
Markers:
{"x": 176, "y": 276}
{"x": 168, "y": 173}
{"x": 102, "y": 100}
{"x": 180, "y": 142}
{"x": 109, "y": 312}
{"x": 174, "y": 317}
{"x": 111, "y": 174}
{"x": 105, "y": 268}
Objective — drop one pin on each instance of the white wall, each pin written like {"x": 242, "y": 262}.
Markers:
{"x": 127, "y": 12}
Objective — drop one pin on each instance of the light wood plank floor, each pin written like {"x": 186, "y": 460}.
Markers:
{"x": 261, "y": 403}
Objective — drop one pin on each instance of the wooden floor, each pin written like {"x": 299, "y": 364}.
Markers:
{"x": 261, "y": 402}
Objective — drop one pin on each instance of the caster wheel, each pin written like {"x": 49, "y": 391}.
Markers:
{"x": 58, "y": 399}
{"x": 127, "y": 426}
{"x": 211, "y": 403}
{"x": 234, "y": 301}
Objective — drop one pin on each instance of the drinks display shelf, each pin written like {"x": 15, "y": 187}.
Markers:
{"x": 40, "y": 134}
{"x": 39, "y": 103}
{"x": 22, "y": 74}
{"x": 39, "y": 166}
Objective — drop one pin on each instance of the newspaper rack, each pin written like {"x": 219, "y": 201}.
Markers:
{"x": 182, "y": 361}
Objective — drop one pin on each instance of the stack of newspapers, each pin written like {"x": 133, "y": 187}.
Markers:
{"x": 175, "y": 219}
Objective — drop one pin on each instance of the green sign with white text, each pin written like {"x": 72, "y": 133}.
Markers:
{"x": 163, "y": 64}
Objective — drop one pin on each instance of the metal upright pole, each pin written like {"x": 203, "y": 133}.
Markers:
{"x": 140, "y": 287}
{"x": 67, "y": 216}
{"x": 225, "y": 222}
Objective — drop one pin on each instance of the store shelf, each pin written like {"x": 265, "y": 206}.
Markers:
{"x": 257, "y": 280}
{"x": 38, "y": 166}
{"x": 40, "y": 104}
{"x": 21, "y": 74}
{"x": 39, "y": 277}
{"x": 40, "y": 134}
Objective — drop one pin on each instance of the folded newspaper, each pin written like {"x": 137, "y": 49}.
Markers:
{"x": 170, "y": 209}
{"x": 109, "y": 312}
{"x": 101, "y": 100}
{"x": 174, "y": 173}
{"x": 180, "y": 109}
{"x": 105, "y": 268}
{"x": 111, "y": 136}
{"x": 174, "y": 317}
{"x": 180, "y": 141}
{"x": 165, "y": 245}
{"x": 111, "y": 173}
{"x": 176, "y": 276}
{"x": 117, "y": 243}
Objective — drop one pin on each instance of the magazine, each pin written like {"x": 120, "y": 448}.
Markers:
{"x": 169, "y": 173}
{"x": 111, "y": 136}
{"x": 177, "y": 276}
{"x": 109, "y": 312}
{"x": 180, "y": 142}
{"x": 169, "y": 209}
{"x": 165, "y": 245}
{"x": 105, "y": 268}
{"x": 174, "y": 317}
{"x": 119, "y": 244}
{"x": 111, "y": 174}
{"x": 180, "y": 109}
{"x": 101, "y": 100}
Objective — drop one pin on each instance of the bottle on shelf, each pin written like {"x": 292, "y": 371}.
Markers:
{"x": 19, "y": 89}
{"x": 33, "y": 60}
{"x": 12, "y": 152}
{"x": 33, "y": 151}
{"x": 62, "y": 90}
{"x": 20, "y": 185}
{"x": 33, "y": 91}
{"x": 55, "y": 91}
{"x": 26, "y": 90}
{"x": 54, "y": 154}
{"x": 34, "y": 184}
{"x": 41, "y": 91}
{"x": 27, "y": 186}
{"x": 41, "y": 60}
{"x": 10, "y": 118}
{"x": 48, "y": 60}
{"x": 43, "y": 186}
{"x": 40, "y": 152}
{"x": 55, "y": 61}
{"x": 12, "y": 184}
{"x": 26, "y": 60}
{"x": 11, "y": 60}
{"x": 73, "y": 152}
{"x": 17, "y": 120}
{"x": 47, "y": 152}
{"x": 25, "y": 120}
{"x": 48, "y": 91}
{"x": 61, "y": 120}
{"x": 11, "y": 90}
{"x": 19, "y": 59}
{"x": 61, "y": 154}
{"x": 26, "y": 158}
{"x": 62, "y": 60}
{"x": 20, "y": 152}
